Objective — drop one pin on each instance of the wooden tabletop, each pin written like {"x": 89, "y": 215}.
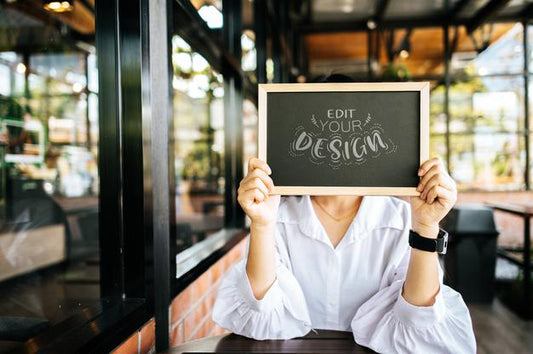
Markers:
{"x": 514, "y": 208}
{"x": 321, "y": 342}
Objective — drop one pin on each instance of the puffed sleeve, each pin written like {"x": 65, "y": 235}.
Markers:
{"x": 387, "y": 323}
{"x": 281, "y": 314}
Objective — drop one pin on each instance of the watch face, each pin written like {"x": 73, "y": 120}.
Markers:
{"x": 444, "y": 244}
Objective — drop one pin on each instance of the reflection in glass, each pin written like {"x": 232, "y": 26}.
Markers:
{"x": 48, "y": 173}
{"x": 198, "y": 145}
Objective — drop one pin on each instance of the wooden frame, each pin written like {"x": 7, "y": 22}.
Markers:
{"x": 422, "y": 87}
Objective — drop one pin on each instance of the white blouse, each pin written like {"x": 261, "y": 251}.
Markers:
{"x": 355, "y": 286}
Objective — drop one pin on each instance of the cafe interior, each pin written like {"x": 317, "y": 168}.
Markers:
{"x": 126, "y": 126}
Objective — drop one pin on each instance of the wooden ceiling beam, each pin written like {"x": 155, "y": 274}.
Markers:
{"x": 527, "y": 13}
{"x": 381, "y": 8}
{"x": 483, "y": 14}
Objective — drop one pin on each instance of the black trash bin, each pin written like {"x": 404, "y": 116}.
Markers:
{"x": 470, "y": 262}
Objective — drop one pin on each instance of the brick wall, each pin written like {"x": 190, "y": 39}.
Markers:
{"x": 190, "y": 311}
{"x": 142, "y": 341}
{"x": 511, "y": 227}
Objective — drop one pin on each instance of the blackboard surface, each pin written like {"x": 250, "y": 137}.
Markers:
{"x": 344, "y": 139}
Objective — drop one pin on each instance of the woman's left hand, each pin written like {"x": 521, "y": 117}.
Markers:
{"x": 438, "y": 194}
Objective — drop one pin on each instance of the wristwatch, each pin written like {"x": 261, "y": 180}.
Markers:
{"x": 439, "y": 244}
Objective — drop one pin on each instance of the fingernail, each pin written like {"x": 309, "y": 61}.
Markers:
{"x": 269, "y": 170}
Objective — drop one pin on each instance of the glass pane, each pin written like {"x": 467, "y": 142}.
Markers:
{"x": 437, "y": 115}
{"x": 491, "y": 49}
{"x": 530, "y": 161}
{"x": 198, "y": 145}
{"x": 437, "y": 147}
{"x": 249, "y": 54}
{"x": 530, "y": 103}
{"x": 48, "y": 175}
{"x": 487, "y": 105}
{"x": 488, "y": 161}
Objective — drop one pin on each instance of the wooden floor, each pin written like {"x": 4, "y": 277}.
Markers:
{"x": 498, "y": 330}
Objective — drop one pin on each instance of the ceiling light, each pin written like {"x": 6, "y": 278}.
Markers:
{"x": 58, "y": 6}
{"x": 77, "y": 87}
{"x": 21, "y": 68}
{"x": 404, "y": 54}
{"x": 212, "y": 16}
{"x": 371, "y": 24}
{"x": 347, "y": 8}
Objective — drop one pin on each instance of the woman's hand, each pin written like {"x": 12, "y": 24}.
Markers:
{"x": 438, "y": 194}
{"x": 253, "y": 194}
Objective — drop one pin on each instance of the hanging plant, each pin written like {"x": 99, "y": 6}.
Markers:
{"x": 396, "y": 72}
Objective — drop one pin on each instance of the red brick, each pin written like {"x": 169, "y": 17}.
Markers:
{"x": 203, "y": 328}
{"x": 190, "y": 322}
{"x": 148, "y": 337}
{"x": 216, "y": 271}
{"x": 181, "y": 305}
{"x": 176, "y": 336}
{"x": 129, "y": 346}
{"x": 201, "y": 285}
{"x": 208, "y": 326}
{"x": 211, "y": 298}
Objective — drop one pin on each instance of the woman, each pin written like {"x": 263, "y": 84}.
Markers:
{"x": 344, "y": 263}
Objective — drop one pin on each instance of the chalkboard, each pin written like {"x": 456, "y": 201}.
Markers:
{"x": 344, "y": 138}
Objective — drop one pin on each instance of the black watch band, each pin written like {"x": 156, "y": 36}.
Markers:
{"x": 439, "y": 244}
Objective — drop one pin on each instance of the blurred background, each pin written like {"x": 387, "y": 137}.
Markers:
{"x": 54, "y": 118}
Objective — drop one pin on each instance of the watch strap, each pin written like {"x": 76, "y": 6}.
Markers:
{"x": 439, "y": 244}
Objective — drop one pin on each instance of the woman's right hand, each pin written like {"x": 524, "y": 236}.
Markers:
{"x": 253, "y": 194}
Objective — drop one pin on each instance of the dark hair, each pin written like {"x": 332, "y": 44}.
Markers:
{"x": 332, "y": 78}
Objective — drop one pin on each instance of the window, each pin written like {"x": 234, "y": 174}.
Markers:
{"x": 198, "y": 145}
{"x": 486, "y": 128}
{"x": 49, "y": 255}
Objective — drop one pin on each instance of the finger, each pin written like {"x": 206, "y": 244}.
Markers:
{"x": 427, "y": 176}
{"x": 441, "y": 193}
{"x": 446, "y": 195}
{"x": 250, "y": 196}
{"x": 257, "y": 163}
{"x": 257, "y": 173}
{"x": 255, "y": 183}
{"x": 433, "y": 182}
{"x": 431, "y": 195}
{"x": 258, "y": 195}
{"x": 428, "y": 164}
{"x": 437, "y": 179}
{"x": 260, "y": 189}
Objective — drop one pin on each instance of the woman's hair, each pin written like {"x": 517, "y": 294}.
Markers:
{"x": 332, "y": 78}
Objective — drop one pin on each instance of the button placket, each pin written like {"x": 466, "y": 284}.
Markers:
{"x": 333, "y": 290}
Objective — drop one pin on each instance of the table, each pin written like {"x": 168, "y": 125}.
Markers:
{"x": 525, "y": 211}
{"x": 321, "y": 342}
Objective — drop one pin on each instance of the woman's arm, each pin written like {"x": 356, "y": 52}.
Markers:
{"x": 259, "y": 297}
{"x": 262, "y": 208}
{"x": 261, "y": 262}
{"x": 438, "y": 194}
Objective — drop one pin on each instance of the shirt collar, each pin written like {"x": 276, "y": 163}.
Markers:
{"x": 375, "y": 212}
